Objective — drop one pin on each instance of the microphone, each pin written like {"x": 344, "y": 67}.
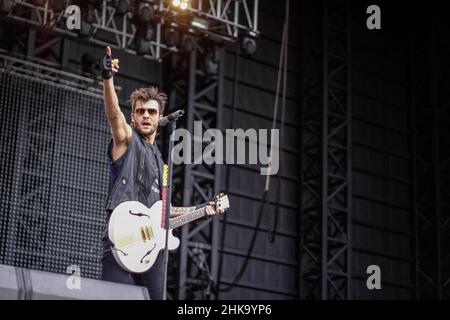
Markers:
{"x": 170, "y": 117}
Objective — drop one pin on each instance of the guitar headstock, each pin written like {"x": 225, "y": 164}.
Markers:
{"x": 221, "y": 202}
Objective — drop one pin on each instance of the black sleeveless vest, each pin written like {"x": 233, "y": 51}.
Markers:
{"x": 135, "y": 176}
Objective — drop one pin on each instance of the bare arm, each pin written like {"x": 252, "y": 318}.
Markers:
{"x": 178, "y": 211}
{"x": 120, "y": 130}
{"x": 116, "y": 119}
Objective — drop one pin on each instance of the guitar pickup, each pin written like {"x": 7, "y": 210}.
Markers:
{"x": 147, "y": 233}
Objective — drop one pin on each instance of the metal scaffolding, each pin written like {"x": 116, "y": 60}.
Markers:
{"x": 431, "y": 162}
{"x": 202, "y": 96}
{"x": 199, "y": 249}
{"x": 226, "y": 19}
{"x": 40, "y": 69}
{"x": 326, "y": 187}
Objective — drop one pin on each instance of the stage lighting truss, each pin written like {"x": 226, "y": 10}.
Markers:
{"x": 46, "y": 71}
{"x": 109, "y": 25}
{"x": 226, "y": 19}
{"x": 113, "y": 22}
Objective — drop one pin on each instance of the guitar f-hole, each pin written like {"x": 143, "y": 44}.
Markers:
{"x": 148, "y": 252}
{"x": 139, "y": 214}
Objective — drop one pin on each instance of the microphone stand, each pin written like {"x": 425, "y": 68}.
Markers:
{"x": 168, "y": 201}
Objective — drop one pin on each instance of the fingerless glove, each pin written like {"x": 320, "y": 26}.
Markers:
{"x": 106, "y": 66}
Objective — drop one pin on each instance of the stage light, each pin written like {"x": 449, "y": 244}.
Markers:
{"x": 144, "y": 11}
{"x": 182, "y": 4}
{"x": 248, "y": 45}
{"x": 143, "y": 38}
{"x": 7, "y": 5}
{"x": 172, "y": 36}
{"x": 122, "y": 6}
{"x": 200, "y": 23}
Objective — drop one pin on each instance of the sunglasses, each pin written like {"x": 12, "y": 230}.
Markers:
{"x": 141, "y": 111}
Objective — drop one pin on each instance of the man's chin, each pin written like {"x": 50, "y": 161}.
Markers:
{"x": 146, "y": 132}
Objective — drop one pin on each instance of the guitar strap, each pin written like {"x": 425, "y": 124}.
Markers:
{"x": 157, "y": 156}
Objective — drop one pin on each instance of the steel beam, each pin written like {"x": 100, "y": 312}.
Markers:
{"x": 326, "y": 205}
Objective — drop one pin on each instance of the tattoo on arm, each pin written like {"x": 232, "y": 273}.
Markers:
{"x": 178, "y": 211}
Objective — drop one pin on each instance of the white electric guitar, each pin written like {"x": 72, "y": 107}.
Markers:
{"x": 138, "y": 233}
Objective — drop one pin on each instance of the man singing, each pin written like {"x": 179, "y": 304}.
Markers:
{"x": 135, "y": 167}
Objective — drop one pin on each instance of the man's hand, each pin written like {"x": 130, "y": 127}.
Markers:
{"x": 109, "y": 66}
{"x": 211, "y": 209}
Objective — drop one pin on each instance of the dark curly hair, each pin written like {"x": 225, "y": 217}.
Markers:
{"x": 146, "y": 94}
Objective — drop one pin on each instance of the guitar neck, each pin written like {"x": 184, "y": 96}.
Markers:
{"x": 187, "y": 217}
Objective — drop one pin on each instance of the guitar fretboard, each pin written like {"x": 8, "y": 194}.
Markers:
{"x": 186, "y": 218}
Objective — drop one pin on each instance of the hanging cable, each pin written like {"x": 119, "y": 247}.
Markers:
{"x": 283, "y": 55}
{"x": 273, "y": 232}
{"x": 227, "y": 185}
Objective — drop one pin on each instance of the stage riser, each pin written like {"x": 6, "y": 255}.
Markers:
{"x": 25, "y": 284}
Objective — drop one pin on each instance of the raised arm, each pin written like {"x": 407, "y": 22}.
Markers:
{"x": 120, "y": 130}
